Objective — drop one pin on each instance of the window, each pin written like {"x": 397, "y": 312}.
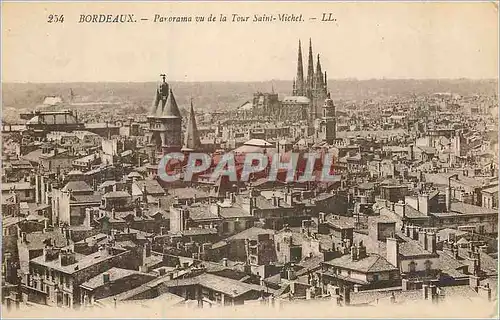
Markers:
{"x": 412, "y": 266}
{"x": 375, "y": 277}
{"x": 428, "y": 265}
{"x": 278, "y": 246}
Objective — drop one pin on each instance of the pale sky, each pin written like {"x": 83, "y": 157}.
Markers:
{"x": 368, "y": 40}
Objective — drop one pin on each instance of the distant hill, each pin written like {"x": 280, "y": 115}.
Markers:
{"x": 229, "y": 95}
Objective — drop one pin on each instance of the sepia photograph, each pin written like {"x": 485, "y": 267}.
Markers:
{"x": 213, "y": 159}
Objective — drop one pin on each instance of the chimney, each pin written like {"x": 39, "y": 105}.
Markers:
{"x": 275, "y": 201}
{"x": 408, "y": 230}
{"x": 412, "y": 154}
{"x": 433, "y": 293}
{"x": 67, "y": 258}
{"x": 146, "y": 252}
{"x": 474, "y": 282}
{"x": 224, "y": 262}
{"x": 46, "y": 227}
{"x": 88, "y": 217}
{"x": 400, "y": 209}
{"x": 431, "y": 242}
{"x": 144, "y": 194}
{"x": 305, "y": 224}
{"x": 253, "y": 204}
{"x": 354, "y": 253}
{"x": 423, "y": 203}
{"x": 425, "y": 291}
{"x": 113, "y": 213}
{"x": 422, "y": 238}
{"x": 361, "y": 250}
{"x": 392, "y": 253}
{"x": 321, "y": 217}
{"x": 414, "y": 230}
{"x": 105, "y": 278}
{"x": 448, "y": 199}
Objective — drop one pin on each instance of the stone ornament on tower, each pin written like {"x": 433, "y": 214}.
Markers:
{"x": 163, "y": 88}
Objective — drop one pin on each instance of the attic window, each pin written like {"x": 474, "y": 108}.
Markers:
{"x": 428, "y": 265}
{"x": 412, "y": 266}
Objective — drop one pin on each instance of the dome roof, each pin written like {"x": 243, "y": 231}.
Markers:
{"x": 296, "y": 100}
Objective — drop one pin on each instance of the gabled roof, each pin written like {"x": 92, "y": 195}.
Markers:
{"x": 370, "y": 263}
{"x": 116, "y": 194}
{"x": 77, "y": 186}
{"x": 230, "y": 287}
{"x": 153, "y": 187}
{"x": 114, "y": 274}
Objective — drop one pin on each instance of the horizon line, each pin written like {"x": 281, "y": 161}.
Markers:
{"x": 252, "y": 81}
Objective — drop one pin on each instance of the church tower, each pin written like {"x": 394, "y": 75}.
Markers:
{"x": 328, "y": 122}
{"x": 165, "y": 121}
{"x": 319, "y": 91}
{"x": 310, "y": 73}
{"x": 314, "y": 87}
{"x": 192, "y": 137}
{"x": 299, "y": 86}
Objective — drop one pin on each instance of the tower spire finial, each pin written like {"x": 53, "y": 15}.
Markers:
{"x": 310, "y": 68}
{"x": 299, "y": 84}
{"x": 319, "y": 81}
{"x": 163, "y": 77}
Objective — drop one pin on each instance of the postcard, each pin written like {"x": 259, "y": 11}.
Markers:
{"x": 249, "y": 159}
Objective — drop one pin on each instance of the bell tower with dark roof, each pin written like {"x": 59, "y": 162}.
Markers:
{"x": 165, "y": 120}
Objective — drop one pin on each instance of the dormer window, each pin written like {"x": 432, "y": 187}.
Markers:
{"x": 428, "y": 265}
{"x": 412, "y": 267}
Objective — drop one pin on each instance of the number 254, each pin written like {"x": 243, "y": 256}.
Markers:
{"x": 53, "y": 18}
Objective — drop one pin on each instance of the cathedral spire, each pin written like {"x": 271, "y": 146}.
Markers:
{"x": 299, "y": 84}
{"x": 310, "y": 68}
{"x": 325, "y": 84}
{"x": 319, "y": 76}
{"x": 192, "y": 139}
